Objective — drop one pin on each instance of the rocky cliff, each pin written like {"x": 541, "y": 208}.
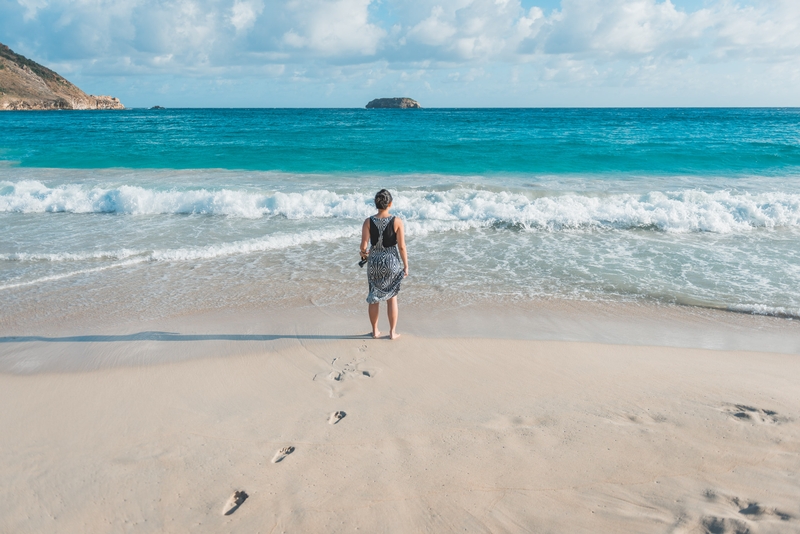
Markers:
{"x": 393, "y": 103}
{"x": 26, "y": 85}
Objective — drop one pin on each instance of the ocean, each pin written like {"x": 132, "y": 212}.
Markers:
{"x": 176, "y": 211}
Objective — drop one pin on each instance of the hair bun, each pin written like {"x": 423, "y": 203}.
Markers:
{"x": 383, "y": 199}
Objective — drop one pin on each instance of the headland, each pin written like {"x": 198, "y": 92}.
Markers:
{"x": 27, "y": 85}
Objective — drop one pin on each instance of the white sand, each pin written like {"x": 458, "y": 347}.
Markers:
{"x": 440, "y": 435}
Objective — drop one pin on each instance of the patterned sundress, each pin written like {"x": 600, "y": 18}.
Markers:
{"x": 384, "y": 266}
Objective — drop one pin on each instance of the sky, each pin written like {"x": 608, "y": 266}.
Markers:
{"x": 443, "y": 53}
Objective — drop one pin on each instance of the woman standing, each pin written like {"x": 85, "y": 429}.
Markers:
{"x": 387, "y": 262}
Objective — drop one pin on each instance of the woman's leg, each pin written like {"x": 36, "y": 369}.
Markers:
{"x": 391, "y": 309}
{"x": 373, "y": 318}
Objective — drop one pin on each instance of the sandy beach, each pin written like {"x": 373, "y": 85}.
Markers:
{"x": 153, "y": 430}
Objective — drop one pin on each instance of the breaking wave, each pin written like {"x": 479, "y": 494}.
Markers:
{"x": 722, "y": 211}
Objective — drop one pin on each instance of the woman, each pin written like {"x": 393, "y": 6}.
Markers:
{"x": 387, "y": 262}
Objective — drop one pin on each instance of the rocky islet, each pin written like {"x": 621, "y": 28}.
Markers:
{"x": 394, "y": 103}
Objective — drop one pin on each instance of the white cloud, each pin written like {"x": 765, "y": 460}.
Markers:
{"x": 244, "y": 14}
{"x": 769, "y": 32}
{"x": 584, "y": 43}
{"x": 433, "y": 31}
{"x": 332, "y": 27}
{"x": 32, "y": 7}
{"x": 529, "y": 24}
{"x": 468, "y": 30}
{"x": 620, "y": 28}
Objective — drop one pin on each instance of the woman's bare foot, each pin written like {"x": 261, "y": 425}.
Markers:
{"x": 393, "y": 335}
{"x": 376, "y": 334}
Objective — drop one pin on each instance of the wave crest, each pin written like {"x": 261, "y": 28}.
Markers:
{"x": 457, "y": 208}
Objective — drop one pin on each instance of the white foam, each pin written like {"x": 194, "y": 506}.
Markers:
{"x": 460, "y": 208}
{"x": 120, "y": 254}
{"x": 69, "y": 274}
{"x": 682, "y": 211}
{"x": 31, "y": 196}
{"x": 763, "y": 309}
{"x": 273, "y": 242}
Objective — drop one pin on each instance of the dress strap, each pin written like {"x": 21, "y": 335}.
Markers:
{"x": 380, "y": 226}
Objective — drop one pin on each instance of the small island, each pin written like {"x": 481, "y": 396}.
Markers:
{"x": 394, "y": 103}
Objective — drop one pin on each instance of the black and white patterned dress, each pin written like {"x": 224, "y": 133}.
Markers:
{"x": 384, "y": 266}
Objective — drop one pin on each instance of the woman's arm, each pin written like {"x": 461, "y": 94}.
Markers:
{"x": 364, "y": 239}
{"x": 401, "y": 242}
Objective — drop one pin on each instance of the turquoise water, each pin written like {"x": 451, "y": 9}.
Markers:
{"x": 472, "y": 141}
{"x": 692, "y": 206}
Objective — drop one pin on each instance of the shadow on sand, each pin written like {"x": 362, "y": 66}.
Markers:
{"x": 170, "y": 336}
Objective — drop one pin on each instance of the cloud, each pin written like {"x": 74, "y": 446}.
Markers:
{"x": 332, "y": 27}
{"x": 583, "y": 43}
{"x": 769, "y": 31}
{"x": 435, "y": 30}
{"x": 244, "y": 14}
{"x": 612, "y": 28}
{"x": 31, "y": 8}
{"x": 465, "y": 31}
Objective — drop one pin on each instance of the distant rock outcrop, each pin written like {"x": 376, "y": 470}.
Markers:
{"x": 26, "y": 85}
{"x": 394, "y": 103}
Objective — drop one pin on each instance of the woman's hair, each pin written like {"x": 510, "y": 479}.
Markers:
{"x": 383, "y": 199}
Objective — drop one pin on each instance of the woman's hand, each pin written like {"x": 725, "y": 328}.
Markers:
{"x": 364, "y": 240}
{"x": 401, "y": 243}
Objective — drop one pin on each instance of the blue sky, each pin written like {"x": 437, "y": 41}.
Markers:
{"x": 444, "y": 53}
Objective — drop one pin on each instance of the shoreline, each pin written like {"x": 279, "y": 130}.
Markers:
{"x": 85, "y": 343}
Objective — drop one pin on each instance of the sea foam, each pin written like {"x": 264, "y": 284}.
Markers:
{"x": 690, "y": 210}
{"x": 247, "y": 246}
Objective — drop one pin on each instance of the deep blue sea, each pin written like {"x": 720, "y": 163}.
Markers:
{"x": 691, "y": 206}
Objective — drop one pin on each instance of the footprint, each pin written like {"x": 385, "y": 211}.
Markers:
{"x": 350, "y": 370}
{"x": 281, "y": 454}
{"x": 743, "y": 412}
{"x": 234, "y": 502}
{"x": 755, "y": 511}
{"x": 748, "y": 510}
{"x": 336, "y": 417}
{"x": 723, "y": 525}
